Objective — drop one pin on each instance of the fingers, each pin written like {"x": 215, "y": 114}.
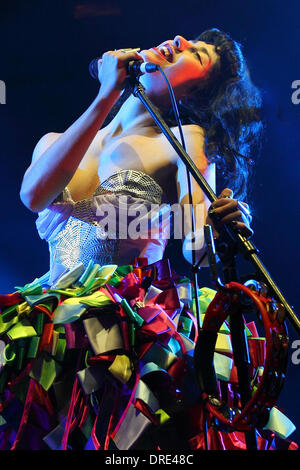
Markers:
{"x": 236, "y": 215}
{"x": 226, "y": 210}
{"x": 225, "y": 204}
{"x": 112, "y": 71}
{"x": 244, "y": 229}
{"x": 227, "y": 193}
{"x": 224, "y": 198}
{"x": 130, "y": 49}
{"x": 222, "y": 207}
{"x": 244, "y": 208}
{"x": 123, "y": 56}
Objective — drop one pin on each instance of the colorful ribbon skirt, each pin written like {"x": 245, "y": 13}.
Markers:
{"x": 103, "y": 360}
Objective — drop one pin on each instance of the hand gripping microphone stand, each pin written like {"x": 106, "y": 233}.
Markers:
{"x": 232, "y": 243}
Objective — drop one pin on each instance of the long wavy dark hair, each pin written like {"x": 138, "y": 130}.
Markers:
{"x": 229, "y": 110}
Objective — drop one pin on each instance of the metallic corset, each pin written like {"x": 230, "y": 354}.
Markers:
{"x": 80, "y": 238}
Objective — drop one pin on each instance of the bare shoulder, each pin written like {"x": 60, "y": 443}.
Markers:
{"x": 85, "y": 179}
{"x": 43, "y": 144}
{"x": 191, "y": 130}
{"x": 194, "y": 137}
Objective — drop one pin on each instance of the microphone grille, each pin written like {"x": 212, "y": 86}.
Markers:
{"x": 93, "y": 68}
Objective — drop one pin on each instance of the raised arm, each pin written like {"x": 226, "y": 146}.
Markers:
{"x": 56, "y": 157}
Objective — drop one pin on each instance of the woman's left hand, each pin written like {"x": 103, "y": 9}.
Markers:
{"x": 226, "y": 210}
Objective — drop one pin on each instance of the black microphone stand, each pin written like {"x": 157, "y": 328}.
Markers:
{"x": 235, "y": 243}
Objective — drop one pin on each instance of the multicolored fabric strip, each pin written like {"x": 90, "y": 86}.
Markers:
{"x": 104, "y": 359}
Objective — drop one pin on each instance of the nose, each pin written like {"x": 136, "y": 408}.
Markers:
{"x": 180, "y": 43}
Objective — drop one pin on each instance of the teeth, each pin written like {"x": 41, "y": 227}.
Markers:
{"x": 165, "y": 51}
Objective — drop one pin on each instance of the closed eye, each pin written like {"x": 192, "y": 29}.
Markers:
{"x": 195, "y": 51}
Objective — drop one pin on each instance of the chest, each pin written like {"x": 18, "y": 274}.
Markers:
{"x": 151, "y": 154}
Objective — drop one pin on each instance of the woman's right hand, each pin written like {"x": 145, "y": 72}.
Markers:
{"x": 112, "y": 71}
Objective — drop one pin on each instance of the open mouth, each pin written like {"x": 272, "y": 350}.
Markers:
{"x": 166, "y": 52}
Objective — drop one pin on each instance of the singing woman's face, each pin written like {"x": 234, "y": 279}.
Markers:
{"x": 186, "y": 63}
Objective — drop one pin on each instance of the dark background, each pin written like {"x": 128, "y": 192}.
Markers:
{"x": 46, "y": 47}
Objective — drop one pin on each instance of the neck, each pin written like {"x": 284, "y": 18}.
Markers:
{"x": 131, "y": 115}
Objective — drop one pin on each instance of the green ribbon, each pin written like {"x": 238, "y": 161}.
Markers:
{"x": 11, "y": 355}
{"x": 91, "y": 275}
{"x": 4, "y": 326}
{"x": 23, "y": 329}
{"x": 33, "y": 347}
{"x": 185, "y": 325}
{"x": 115, "y": 280}
{"x": 39, "y": 323}
{"x": 65, "y": 313}
{"x": 120, "y": 272}
{"x": 131, "y": 333}
{"x": 61, "y": 349}
{"x": 97, "y": 299}
{"x": 135, "y": 317}
{"x": 124, "y": 270}
{"x": 162, "y": 415}
{"x": 42, "y": 299}
{"x": 8, "y": 314}
{"x": 21, "y": 350}
{"x": 86, "y": 275}
{"x": 44, "y": 370}
{"x": 33, "y": 288}
{"x": 184, "y": 280}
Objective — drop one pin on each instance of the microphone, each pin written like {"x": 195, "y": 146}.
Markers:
{"x": 134, "y": 68}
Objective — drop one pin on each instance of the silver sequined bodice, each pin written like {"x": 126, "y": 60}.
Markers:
{"x": 73, "y": 231}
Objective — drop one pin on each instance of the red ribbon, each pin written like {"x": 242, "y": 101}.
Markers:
{"x": 8, "y": 300}
{"x": 143, "y": 408}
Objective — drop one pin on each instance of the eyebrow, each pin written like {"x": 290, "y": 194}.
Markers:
{"x": 201, "y": 48}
